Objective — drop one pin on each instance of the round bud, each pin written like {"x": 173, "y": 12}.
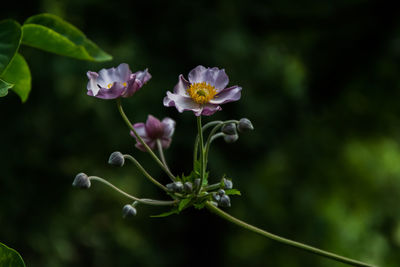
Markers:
{"x": 221, "y": 192}
{"x": 225, "y": 201}
{"x": 216, "y": 197}
{"x": 117, "y": 159}
{"x": 170, "y": 186}
{"x": 178, "y": 187}
{"x": 188, "y": 187}
{"x": 229, "y": 129}
{"x": 128, "y": 210}
{"x": 81, "y": 181}
{"x": 231, "y": 138}
{"x": 227, "y": 183}
{"x": 245, "y": 125}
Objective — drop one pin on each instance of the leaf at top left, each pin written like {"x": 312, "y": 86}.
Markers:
{"x": 10, "y": 39}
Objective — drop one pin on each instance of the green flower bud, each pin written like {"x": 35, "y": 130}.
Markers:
{"x": 81, "y": 181}
{"x": 229, "y": 129}
{"x": 245, "y": 125}
{"x": 116, "y": 159}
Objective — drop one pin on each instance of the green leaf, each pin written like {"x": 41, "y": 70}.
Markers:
{"x": 200, "y": 205}
{"x": 10, "y": 39}
{"x": 53, "y": 34}
{"x": 165, "y": 214}
{"x": 19, "y": 74}
{"x": 183, "y": 203}
{"x": 9, "y": 257}
{"x": 4, "y": 86}
{"x": 233, "y": 192}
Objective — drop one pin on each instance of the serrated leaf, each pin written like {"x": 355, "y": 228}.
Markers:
{"x": 19, "y": 74}
{"x": 10, "y": 39}
{"x": 165, "y": 214}
{"x": 53, "y": 34}
{"x": 4, "y": 86}
{"x": 233, "y": 192}
{"x": 10, "y": 257}
{"x": 183, "y": 203}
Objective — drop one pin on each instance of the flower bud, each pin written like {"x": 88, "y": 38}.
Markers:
{"x": 188, "y": 187}
{"x": 225, "y": 201}
{"x": 81, "y": 181}
{"x": 229, "y": 129}
{"x": 116, "y": 159}
{"x": 216, "y": 197}
{"x": 231, "y": 138}
{"x": 221, "y": 192}
{"x": 227, "y": 183}
{"x": 128, "y": 210}
{"x": 245, "y": 125}
{"x": 175, "y": 187}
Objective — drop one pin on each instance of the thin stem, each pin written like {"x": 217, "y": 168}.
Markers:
{"x": 202, "y": 162}
{"x": 215, "y": 136}
{"x": 212, "y": 187}
{"x": 141, "y": 200}
{"x": 145, "y": 173}
{"x": 196, "y": 142}
{"x": 148, "y": 149}
{"x": 212, "y": 133}
{"x": 289, "y": 242}
{"x": 161, "y": 154}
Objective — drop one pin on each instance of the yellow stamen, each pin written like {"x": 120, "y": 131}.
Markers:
{"x": 124, "y": 84}
{"x": 109, "y": 85}
{"x": 201, "y": 93}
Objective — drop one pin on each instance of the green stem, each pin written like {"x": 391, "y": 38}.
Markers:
{"x": 202, "y": 163}
{"x": 212, "y": 133}
{"x": 148, "y": 149}
{"x": 141, "y": 200}
{"x": 161, "y": 153}
{"x": 196, "y": 142}
{"x": 289, "y": 242}
{"x": 145, "y": 173}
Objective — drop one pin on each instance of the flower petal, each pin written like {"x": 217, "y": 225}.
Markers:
{"x": 140, "y": 129}
{"x": 212, "y": 76}
{"x": 143, "y": 76}
{"x": 210, "y": 109}
{"x": 154, "y": 128}
{"x": 109, "y": 76}
{"x": 169, "y": 127}
{"x": 182, "y": 85}
{"x": 92, "y": 84}
{"x": 165, "y": 142}
{"x": 227, "y": 95}
{"x": 114, "y": 92}
{"x": 181, "y": 103}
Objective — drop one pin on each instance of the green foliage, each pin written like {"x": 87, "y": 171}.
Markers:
{"x": 19, "y": 74}
{"x": 10, "y": 39}
{"x": 9, "y": 257}
{"x": 4, "y": 86}
{"x": 44, "y": 31}
{"x": 51, "y": 33}
{"x": 165, "y": 214}
{"x": 233, "y": 192}
{"x": 184, "y": 203}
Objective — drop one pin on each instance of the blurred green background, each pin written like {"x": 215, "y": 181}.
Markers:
{"x": 320, "y": 83}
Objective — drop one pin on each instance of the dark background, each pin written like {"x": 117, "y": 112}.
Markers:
{"x": 320, "y": 83}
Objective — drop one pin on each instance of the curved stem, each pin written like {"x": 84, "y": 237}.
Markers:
{"x": 212, "y": 133}
{"x": 286, "y": 241}
{"x": 196, "y": 142}
{"x": 202, "y": 162}
{"x": 161, "y": 154}
{"x": 141, "y": 200}
{"x": 148, "y": 149}
{"x": 145, "y": 173}
{"x": 215, "y": 136}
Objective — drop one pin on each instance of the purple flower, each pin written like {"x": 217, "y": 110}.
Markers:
{"x": 154, "y": 130}
{"x": 203, "y": 93}
{"x": 116, "y": 82}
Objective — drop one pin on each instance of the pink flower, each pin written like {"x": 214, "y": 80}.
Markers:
{"x": 154, "y": 130}
{"x": 203, "y": 93}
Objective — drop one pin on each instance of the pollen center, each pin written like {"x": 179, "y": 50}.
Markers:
{"x": 201, "y": 93}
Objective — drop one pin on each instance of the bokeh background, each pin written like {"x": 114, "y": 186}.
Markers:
{"x": 320, "y": 83}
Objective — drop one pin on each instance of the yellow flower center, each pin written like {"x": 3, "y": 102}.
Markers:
{"x": 201, "y": 93}
{"x": 111, "y": 84}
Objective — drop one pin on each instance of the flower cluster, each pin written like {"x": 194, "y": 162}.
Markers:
{"x": 203, "y": 93}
